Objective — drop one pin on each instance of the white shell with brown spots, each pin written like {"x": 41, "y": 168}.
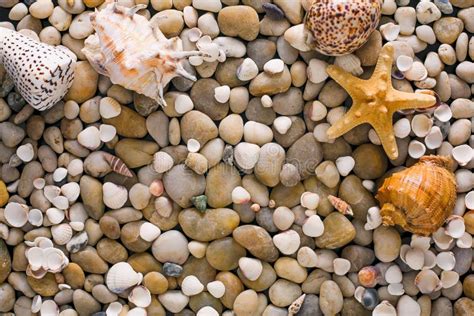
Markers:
{"x": 339, "y": 27}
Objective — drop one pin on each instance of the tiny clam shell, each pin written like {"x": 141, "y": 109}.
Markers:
{"x": 140, "y": 296}
{"x": 114, "y": 309}
{"x": 393, "y": 274}
{"x": 36, "y": 257}
{"x": 16, "y": 214}
{"x": 442, "y": 239}
{"x": 446, "y": 260}
{"x": 39, "y": 183}
{"x": 449, "y": 279}
{"x": 109, "y": 108}
{"x": 427, "y": 281}
{"x": 463, "y": 154}
{"x": 193, "y": 145}
{"x": 49, "y": 308}
{"x": 465, "y": 241}
{"x": 137, "y": 311}
{"x": 36, "y": 303}
{"x": 51, "y": 191}
{"x": 415, "y": 258}
{"x": 55, "y": 216}
{"x": 390, "y": 31}
{"x": 55, "y": 259}
{"x": 121, "y": 276}
{"x": 443, "y": 112}
{"x": 240, "y": 195}
{"x": 149, "y": 232}
{"x": 35, "y": 217}
{"x": 455, "y": 226}
{"x": 417, "y": 72}
{"x": 62, "y": 233}
{"x": 396, "y": 289}
{"x": 309, "y": 200}
{"x": 384, "y": 309}
{"x": 404, "y": 63}
{"x": 421, "y": 125}
{"x": 420, "y": 242}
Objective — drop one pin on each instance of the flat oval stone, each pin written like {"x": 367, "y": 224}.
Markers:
{"x": 338, "y": 231}
{"x": 256, "y": 240}
{"x": 224, "y": 254}
{"x": 210, "y": 225}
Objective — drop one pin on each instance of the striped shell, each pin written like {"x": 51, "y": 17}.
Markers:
{"x": 132, "y": 53}
{"x": 420, "y": 198}
{"x": 42, "y": 73}
{"x": 339, "y": 27}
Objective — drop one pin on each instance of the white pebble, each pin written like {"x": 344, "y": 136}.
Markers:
{"x": 18, "y": 12}
{"x": 183, "y": 104}
{"x": 193, "y": 145}
{"x": 208, "y": 5}
{"x": 345, "y": 165}
{"x": 463, "y": 154}
{"x": 216, "y": 288}
{"x": 313, "y": 226}
{"x": 267, "y": 101}
{"x": 222, "y": 94}
{"x": 207, "y": 311}
{"x": 318, "y": 111}
{"x": 191, "y": 286}
{"x": 25, "y": 152}
{"x": 149, "y": 232}
{"x": 287, "y": 242}
{"x": 107, "y": 132}
{"x": 309, "y": 200}
{"x": 114, "y": 196}
{"x": 41, "y": 9}
{"x": 89, "y": 137}
{"x": 75, "y": 167}
{"x": 316, "y": 70}
{"x": 247, "y": 70}
{"x": 282, "y": 124}
{"x": 59, "y": 174}
{"x": 283, "y": 218}
{"x": 240, "y": 195}
{"x": 251, "y": 268}
{"x": 341, "y": 266}
{"x": 402, "y": 128}
{"x": 274, "y": 66}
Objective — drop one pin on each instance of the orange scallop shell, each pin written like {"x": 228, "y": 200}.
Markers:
{"x": 420, "y": 198}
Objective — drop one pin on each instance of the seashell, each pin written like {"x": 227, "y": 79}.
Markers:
{"x": 148, "y": 60}
{"x": 240, "y": 195}
{"x": 395, "y": 289}
{"x": 51, "y": 191}
{"x": 415, "y": 258}
{"x": 117, "y": 165}
{"x": 164, "y": 206}
{"x": 39, "y": 183}
{"x": 420, "y": 242}
{"x": 455, "y": 226}
{"x": 35, "y": 217}
{"x": 369, "y": 299}
{"x": 37, "y": 274}
{"x": 149, "y": 232}
{"x": 113, "y": 309}
{"x": 121, "y": 276}
{"x": 25, "y": 152}
{"x": 41, "y": 242}
{"x": 109, "y": 108}
{"x": 427, "y": 282}
{"x": 416, "y": 149}
{"x": 137, "y": 311}
{"x": 420, "y": 198}
{"x": 434, "y": 139}
{"x": 114, "y": 196}
{"x": 49, "y": 308}
{"x": 350, "y": 63}
{"x": 445, "y": 260}
{"x": 338, "y": 27}
{"x": 61, "y": 202}
{"x": 77, "y": 226}
{"x": 36, "y": 257}
{"x": 463, "y": 154}
{"x": 449, "y": 279}
{"x": 309, "y": 200}
{"x": 397, "y": 74}
{"x": 421, "y": 125}
{"x": 295, "y": 307}
{"x": 465, "y": 241}
{"x": 390, "y": 31}
{"x": 341, "y": 266}
{"x": 443, "y": 113}
{"x": 63, "y": 286}
{"x": 16, "y": 214}
{"x": 359, "y": 291}
{"x": 404, "y": 63}
{"x": 313, "y": 225}
{"x": 54, "y": 215}
{"x": 374, "y": 219}
{"x": 41, "y": 73}
{"x": 384, "y": 309}
{"x": 55, "y": 260}
{"x": 340, "y": 205}
{"x": 140, "y": 296}
{"x": 36, "y": 303}
{"x": 417, "y": 72}
{"x": 369, "y": 276}
{"x": 193, "y": 145}
{"x": 183, "y": 104}
{"x": 162, "y": 162}
{"x": 62, "y": 233}
{"x": 71, "y": 191}
{"x": 442, "y": 239}
{"x": 107, "y": 132}
{"x": 59, "y": 174}
{"x": 89, "y": 138}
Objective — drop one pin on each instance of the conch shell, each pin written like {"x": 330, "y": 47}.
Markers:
{"x": 420, "y": 198}
{"x": 42, "y": 73}
{"x": 132, "y": 53}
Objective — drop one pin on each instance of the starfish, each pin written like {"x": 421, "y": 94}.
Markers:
{"x": 375, "y": 100}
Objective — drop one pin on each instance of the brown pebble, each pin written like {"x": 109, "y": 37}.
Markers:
{"x": 155, "y": 282}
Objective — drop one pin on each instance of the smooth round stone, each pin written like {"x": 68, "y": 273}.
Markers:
{"x": 289, "y": 196}
{"x": 46, "y": 286}
{"x": 181, "y": 184}
{"x": 330, "y": 298}
{"x": 84, "y": 85}
{"x": 378, "y": 161}
{"x": 233, "y": 287}
{"x": 231, "y": 129}
{"x": 360, "y": 199}
{"x": 270, "y": 84}
{"x": 306, "y": 154}
{"x": 74, "y": 276}
{"x": 387, "y": 243}
{"x": 171, "y": 246}
{"x": 213, "y": 224}
{"x": 358, "y": 256}
{"x": 224, "y": 254}
{"x": 257, "y": 112}
{"x": 260, "y": 51}
{"x": 89, "y": 260}
{"x": 288, "y": 103}
{"x": 84, "y": 303}
{"x": 174, "y": 301}
{"x": 226, "y": 74}
{"x": 202, "y": 95}
{"x": 111, "y": 251}
{"x": 220, "y": 181}
{"x": 257, "y": 241}
{"x": 447, "y": 29}
{"x": 172, "y": 269}
{"x": 241, "y": 21}
{"x": 263, "y": 282}
{"x": 198, "y": 126}
{"x": 289, "y": 269}
{"x": 204, "y": 302}
{"x": 338, "y": 231}
{"x": 296, "y": 130}
{"x": 246, "y": 302}
{"x": 5, "y": 262}
{"x": 287, "y": 242}
{"x": 282, "y": 293}
{"x": 463, "y": 306}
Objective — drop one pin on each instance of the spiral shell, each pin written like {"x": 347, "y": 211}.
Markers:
{"x": 420, "y": 198}
{"x": 339, "y": 27}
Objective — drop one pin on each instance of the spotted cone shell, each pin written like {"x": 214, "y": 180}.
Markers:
{"x": 42, "y": 73}
{"x": 339, "y": 27}
{"x": 420, "y": 198}
{"x": 133, "y": 53}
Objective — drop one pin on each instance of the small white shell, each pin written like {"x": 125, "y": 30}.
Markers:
{"x": 193, "y": 145}
{"x": 109, "y": 108}
{"x": 89, "y": 137}
{"x": 55, "y": 216}
{"x": 62, "y": 233}
{"x": 39, "y": 183}
{"x": 194, "y": 34}
{"x": 222, "y": 94}
{"x": 429, "y": 260}
{"x": 16, "y": 214}
{"x": 384, "y": 309}
{"x": 114, "y": 196}
{"x": 36, "y": 304}
{"x": 359, "y": 291}
{"x": 113, "y": 309}
{"x": 59, "y": 174}
{"x": 183, "y": 104}
{"x": 449, "y": 279}
{"x": 77, "y": 226}
{"x": 251, "y": 268}
{"x": 191, "y": 286}
{"x": 374, "y": 219}
{"x": 469, "y": 200}
{"x": 393, "y": 274}
{"x": 71, "y": 191}
{"x": 35, "y": 217}
{"x": 446, "y": 260}
{"x": 417, "y": 72}
{"x": 415, "y": 258}
{"x": 404, "y": 63}
{"x": 162, "y": 162}
{"x": 36, "y": 257}
{"x": 42, "y": 242}
{"x": 149, "y": 232}
{"x": 420, "y": 242}
{"x": 140, "y": 296}
{"x": 25, "y": 152}
{"x": 443, "y": 112}
{"x": 240, "y": 195}
{"x": 421, "y": 125}
{"x": 416, "y": 149}
{"x": 442, "y": 239}
{"x": 465, "y": 241}
{"x": 49, "y": 308}
{"x": 390, "y": 31}
{"x": 55, "y": 259}
{"x": 427, "y": 281}
{"x": 51, "y": 191}
{"x": 341, "y": 266}
{"x": 402, "y": 128}
{"x": 282, "y": 124}
{"x": 61, "y": 202}
{"x": 455, "y": 227}
{"x": 463, "y": 154}
{"x": 434, "y": 139}
{"x": 107, "y": 132}
{"x": 121, "y": 276}
{"x": 350, "y": 63}
{"x": 137, "y": 311}
{"x": 309, "y": 200}
{"x": 396, "y": 289}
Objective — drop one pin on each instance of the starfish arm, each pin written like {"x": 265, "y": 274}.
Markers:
{"x": 343, "y": 78}
{"x": 345, "y": 124}
{"x": 385, "y": 132}
{"x": 399, "y": 100}
{"x": 383, "y": 69}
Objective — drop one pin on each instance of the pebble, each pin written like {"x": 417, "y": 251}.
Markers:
{"x": 241, "y": 21}
{"x": 287, "y": 242}
{"x": 270, "y": 84}
{"x": 197, "y": 226}
{"x": 282, "y": 293}
{"x": 165, "y": 251}
{"x": 246, "y": 302}
{"x": 84, "y": 85}
{"x": 174, "y": 301}
{"x": 190, "y": 184}
{"x": 447, "y": 29}
{"x": 257, "y": 241}
{"x": 330, "y": 299}
{"x": 389, "y": 236}
{"x": 191, "y": 286}
{"x": 338, "y": 231}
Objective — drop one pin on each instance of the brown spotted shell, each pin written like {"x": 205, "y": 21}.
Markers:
{"x": 339, "y": 27}
{"x": 420, "y": 198}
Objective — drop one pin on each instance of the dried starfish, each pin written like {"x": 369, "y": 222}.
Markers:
{"x": 375, "y": 100}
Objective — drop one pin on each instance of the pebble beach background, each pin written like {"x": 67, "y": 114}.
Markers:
{"x": 218, "y": 203}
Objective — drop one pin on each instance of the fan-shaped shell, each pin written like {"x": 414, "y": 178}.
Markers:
{"x": 121, "y": 276}
{"x": 420, "y": 198}
{"x": 339, "y": 27}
